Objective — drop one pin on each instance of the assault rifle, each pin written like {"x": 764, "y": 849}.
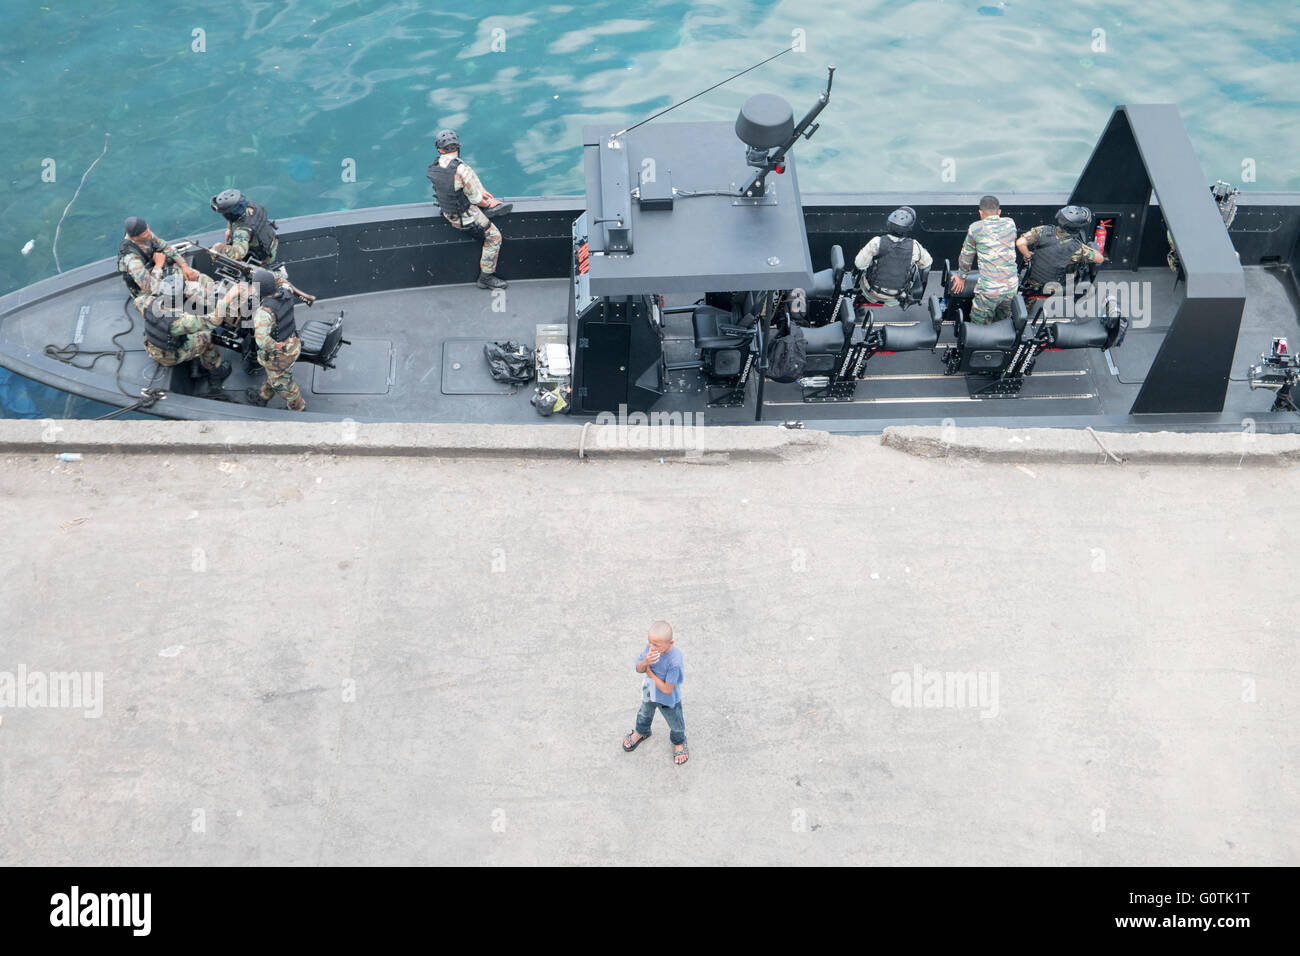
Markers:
{"x": 237, "y": 271}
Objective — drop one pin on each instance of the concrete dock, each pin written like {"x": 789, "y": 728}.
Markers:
{"x": 408, "y": 645}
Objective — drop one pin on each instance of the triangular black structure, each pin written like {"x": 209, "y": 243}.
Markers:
{"x": 1146, "y": 149}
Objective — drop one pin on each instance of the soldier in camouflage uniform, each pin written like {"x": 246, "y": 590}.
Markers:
{"x": 1051, "y": 250}
{"x": 993, "y": 240}
{"x": 179, "y": 318}
{"x": 142, "y": 260}
{"x": 278, "y": 345}
{"x": 250, "y": 235}
{"x": 462, "y": 200}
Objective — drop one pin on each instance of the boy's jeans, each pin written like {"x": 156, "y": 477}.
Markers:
{"x": 676, "y": 723}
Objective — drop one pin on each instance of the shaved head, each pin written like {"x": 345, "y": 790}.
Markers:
{"x": 661, "y": 633}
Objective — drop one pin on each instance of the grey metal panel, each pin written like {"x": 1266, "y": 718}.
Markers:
{"x": 703, "y": 243}
{"x": 1146, "y": 148}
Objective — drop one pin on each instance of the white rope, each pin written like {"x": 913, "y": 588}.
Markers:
{"x": 1115, "y": 458}
{"x": 74, "y": 199}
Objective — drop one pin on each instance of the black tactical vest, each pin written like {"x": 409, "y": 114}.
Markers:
{"x": 280, "y": 306}
{"x": 450, "y": 200}
{"x": 892, "y": 265}
{"x": 1051, "y": 256}
{"x": 261, "y": 232}
{"x": 158, "y": 327}
{"x": 146, "y": 255}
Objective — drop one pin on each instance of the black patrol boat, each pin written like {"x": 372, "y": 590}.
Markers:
{"x": 662, "y": 290}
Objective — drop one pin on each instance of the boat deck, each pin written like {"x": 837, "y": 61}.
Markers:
{"x": 416, "y": 355}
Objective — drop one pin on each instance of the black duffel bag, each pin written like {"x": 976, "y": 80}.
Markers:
{"x": 510, "y": 362}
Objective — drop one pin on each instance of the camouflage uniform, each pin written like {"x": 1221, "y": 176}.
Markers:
{"x": 920, "y": 258}
{"x": 468, "y": 183}
{"x": 194, "y": 327}
{"x": 146, "y": 275}
{"x": 237, "y": 247}
{"x": 993, "y": 240}
{"x": 1085, "y": 253}
{"x": 277, "y": 358}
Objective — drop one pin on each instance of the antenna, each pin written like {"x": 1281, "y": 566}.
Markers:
{"x": 613, "y": 140}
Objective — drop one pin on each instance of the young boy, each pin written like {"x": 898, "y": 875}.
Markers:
{"x": 661, "y": 663}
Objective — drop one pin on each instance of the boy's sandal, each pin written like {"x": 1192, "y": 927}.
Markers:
{"x": 684, "y": 752}
{"x": 627, "y": 739}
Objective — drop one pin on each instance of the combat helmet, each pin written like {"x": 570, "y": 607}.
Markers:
{"x": 901, "y": 221}
{"x": 230, "y": 203}
{"x": 1073, "y": 218}
{"x": 264, "y": 279}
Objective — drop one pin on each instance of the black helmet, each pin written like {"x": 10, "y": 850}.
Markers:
{"x": 1073, "y": 218}
{"x": 230, "y": 203}
{"x": 264, "y": 279}
{"x": 446, "y": 140}
{"x": 901, "y": 221}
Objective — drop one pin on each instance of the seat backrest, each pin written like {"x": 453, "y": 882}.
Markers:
{"x": 968, "y": 290}
{"x": 846, "y": 317}
{"x": 1019, "y": 314}
{"x": 837, "y": 259}
{"x": 936, "y": 311}
{"x": 745, "y": 312}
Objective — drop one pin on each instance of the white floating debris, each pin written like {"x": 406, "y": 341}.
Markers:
{"x": 31, "y": 244}
{"x": 875, "y": 575}
{"x": 1026, "y": 471}
{"x": 173, "y": 651}
{"x": 191, "y": 516}
{"x": 69, "y": 456}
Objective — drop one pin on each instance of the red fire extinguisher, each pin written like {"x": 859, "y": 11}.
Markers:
{"x": 1103, "y": 228}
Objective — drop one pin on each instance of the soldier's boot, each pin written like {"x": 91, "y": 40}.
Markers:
{"x": 254, "y": 397}
{"x": 297, "y": 405}
{"x": 218, "y": 375}
{"x": 266, "y": 393}
{"x": 490, "y": 280}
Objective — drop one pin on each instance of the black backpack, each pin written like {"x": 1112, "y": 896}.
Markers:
{"x": 787, "y": 354}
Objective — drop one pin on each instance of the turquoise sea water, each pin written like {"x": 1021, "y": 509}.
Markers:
{"x": 284, "y": 98}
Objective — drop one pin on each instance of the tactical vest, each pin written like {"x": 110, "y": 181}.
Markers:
{"x": 280, "y": 306}
{"x": 1051, "y": 256}
{"x": 450, "y": 200}
{"x": 158, "y": 328}
{"x": 146, "y": 256}
{"x": 892, "y": 265}
{"x": 261, "y": 233}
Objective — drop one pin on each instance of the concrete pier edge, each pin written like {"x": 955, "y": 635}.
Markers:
{"x": 711, "y": 444}
{"x": 1087, "y": 446}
